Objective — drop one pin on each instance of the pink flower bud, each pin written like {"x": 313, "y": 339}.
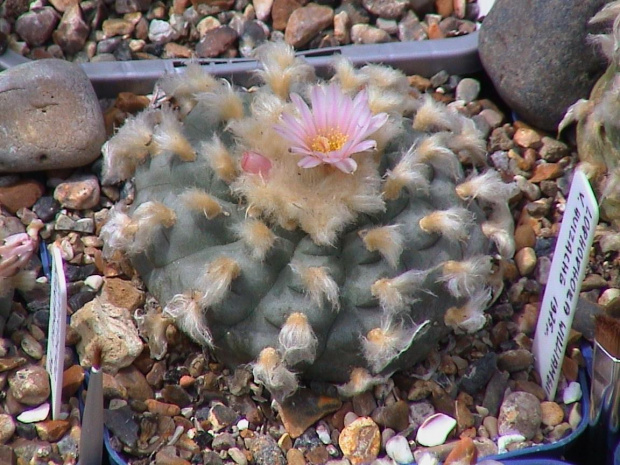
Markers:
{"x": 15, "y": 253}
{"x": 255, "y": 163}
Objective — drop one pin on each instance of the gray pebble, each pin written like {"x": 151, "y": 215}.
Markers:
{"x": 467, "y": 90}
{"x": 57, "y": 99}
{"x": 520, "y": 413}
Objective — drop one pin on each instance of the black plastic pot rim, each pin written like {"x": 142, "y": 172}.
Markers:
{"x": 456, "y": 55}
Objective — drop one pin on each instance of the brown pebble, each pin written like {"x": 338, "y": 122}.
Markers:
{"x": 78, "y": 192}
{"x": 155, "y": 377}
{"x": 464, "y": 417}
{"x": 515, "y": 360}
{"x": 464, "y": 453}
{"x": 295, "y": 457}
{"x": 444, "y": 7}
{"x": 395, "y": 416}
{"x": 174, "y": 50}
{"x": 337, "y": 419}
{"x": 560, "y": 431}
{"x": 527, "y": 319}
{"x": 306, "y": 22}
{"x": 546, "y": 171}
{"x": 435, "y": 32}
{"x": 72, "y": 379}
{"x": 112, "y": 389}
{"x": 215, "y": 42}
{"x": 187, "y": 381}
{"x": 281, "y": 12}
{"x": 162, "y": 408}
{"x": 364, "y": 404}
{"x": 303, "y": 409}
{"x": 122, "y": 294}
{"x": 30, "y": 385}
{"x": 360, "y": 441}
{"x": 552, "y": 413}
{"x": 130, "y": 102}
{"x": 317, "y": 455}
{"x": 135, "y": 383}
{"x": 527, "y": 138}
{"x": 9, "y": 363}
{"x": 22, "y": 194}
{"x": 167, "y": 456}
{"x": 52, "y": 430}
{"x": 526, "y": 260}
{"x": 524, "y": 236}
{"x": 570, "y": 369}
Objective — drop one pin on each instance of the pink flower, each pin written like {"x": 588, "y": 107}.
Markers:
{"x": 255, "y": 163}
{"x": 336, "y": 128}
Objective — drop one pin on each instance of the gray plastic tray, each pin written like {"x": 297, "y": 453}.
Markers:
{"x": 456, "y": 55}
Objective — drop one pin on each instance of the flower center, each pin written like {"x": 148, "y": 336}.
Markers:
{"x": 330, "y": 142}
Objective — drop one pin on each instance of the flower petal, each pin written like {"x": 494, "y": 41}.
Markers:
{"x": 347, "y": 165}
{"x": 307, "y": 120}
{"x": 368, "y": 144}
{"x": 309, "y": 162}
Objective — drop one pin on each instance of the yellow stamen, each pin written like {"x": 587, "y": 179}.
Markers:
{"x": 330, "y": 142}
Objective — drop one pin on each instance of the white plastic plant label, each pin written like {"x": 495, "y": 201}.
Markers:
{"x": 568, "y": 268}
{"x": 57, "y": 329}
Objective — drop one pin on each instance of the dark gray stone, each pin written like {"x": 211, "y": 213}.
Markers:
{"x": 122, "y": 424}
{"x": 479, "y": 373}
{"x": 537, "y": 55}
{"x": 494, "y": 393}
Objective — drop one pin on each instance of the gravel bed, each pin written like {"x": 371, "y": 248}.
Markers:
{"x": 123, "y": 30}
{"x": 176, "y": 405}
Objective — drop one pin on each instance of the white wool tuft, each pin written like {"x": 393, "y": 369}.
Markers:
{"x": 487, "y": 186}
{"x": 145, "y": 221}
{"x": 201, "y": 201}
{"x": 395, "y": 294}
{"x": 470, "y": 317}
{"x": 273, "y": 374}
{"x": 297, "y": 340}
{"x": 220, "y": 159}
{"x": 318, "y": 284}
{"x": 387, "y": 240}
{"x": 433, "y": 150}
{"x": 500, "y": 229}
{"x": 187, "y": 313}
{"x": 257, "y": 236}
{"x": 127, "y": 148}
{"x": 464, "y": 278}
{"x": 383, "y": 345}
{"x": 216, "y": 280}
{"x": 359, "y": 382}
{"x": 168, "y": 136}
{"x": 453, "y": 223}
{"x": 408, "y": 173}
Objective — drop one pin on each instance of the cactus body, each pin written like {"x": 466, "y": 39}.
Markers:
{"x": 312, "y": 271}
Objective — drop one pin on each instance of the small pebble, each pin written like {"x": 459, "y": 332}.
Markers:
{"x": 552, "y": 413}
{"x": 572, "y": 393}
{"x": 398, "y": 449}
{"x": 34, "y": 415}
{"x": 78, "y": 193}
{"x": 467, "y": 90}
{"x": 520, "y": 414}
{"x": 435, "y": 430}
{"x": 360, "y": 441}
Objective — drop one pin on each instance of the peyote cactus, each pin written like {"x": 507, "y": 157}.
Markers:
{"x": 333, "y": 241}
{"x": 598, "y": 132}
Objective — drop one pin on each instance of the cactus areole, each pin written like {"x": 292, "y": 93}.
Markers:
{"x": 313, "y": 229}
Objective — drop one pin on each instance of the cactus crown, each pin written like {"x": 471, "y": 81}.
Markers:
{"x": 308, "y": 226}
